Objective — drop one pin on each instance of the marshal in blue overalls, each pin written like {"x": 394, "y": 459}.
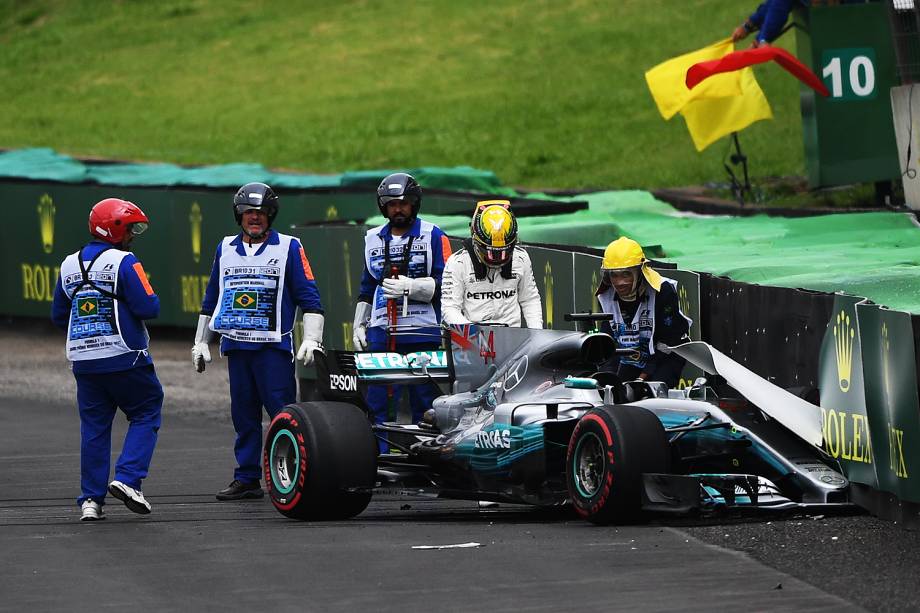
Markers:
{"x": 258, "y": 280}
{"x": 102, "y": 298}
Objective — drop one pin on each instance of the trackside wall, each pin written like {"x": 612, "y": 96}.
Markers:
{"x": 795, "y": 338}
{"x": 186, "y": 224}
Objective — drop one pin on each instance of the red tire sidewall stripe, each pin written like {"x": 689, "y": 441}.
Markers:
{"x": 588, "y": 507}
{"x": 599, "y": 421}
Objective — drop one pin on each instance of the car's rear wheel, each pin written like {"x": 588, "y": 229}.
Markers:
{"x": 608, "y": 452}
{"x": 319, "y": 460}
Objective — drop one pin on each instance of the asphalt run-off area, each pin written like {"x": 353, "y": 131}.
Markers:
{"x": 403, "y": 552}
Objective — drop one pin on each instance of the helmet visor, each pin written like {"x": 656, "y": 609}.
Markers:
{"x": 493, "y": 256}
{"x": 138, "y": 228}
{"x": 242, "y": 208}
{"x": 385, "y": 200}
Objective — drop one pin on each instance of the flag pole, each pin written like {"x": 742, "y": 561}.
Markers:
{"x": 738, "y": 188}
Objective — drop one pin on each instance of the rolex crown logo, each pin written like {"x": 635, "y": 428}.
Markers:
{"x": 194, "y": 219}
{"x": 548, "y": 285}
{"x": 332, "y": 213}
{"x": 886, "y": 362}
{"x": 683, "y": 300}
{"x": 346, "y": 258}
{"x": 347, "y": 335}
{"x": 595, "y": 306}
{"x": 844, "y": 336}
{"x": 46, "y": 212}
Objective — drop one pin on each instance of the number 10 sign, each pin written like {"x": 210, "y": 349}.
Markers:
{"x": 849, "y": 74}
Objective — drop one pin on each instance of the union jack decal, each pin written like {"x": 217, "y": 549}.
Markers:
{"x": 462, "y": 335}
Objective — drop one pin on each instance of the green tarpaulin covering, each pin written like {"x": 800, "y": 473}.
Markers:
{"x": 227, "y": 175}
{"x": 459, "y": 178}
{"x": 41, "y": 165}
{"x": 134, "y": 174}
{"x": 876, "y": 255}
{"x": 48, "y": 165}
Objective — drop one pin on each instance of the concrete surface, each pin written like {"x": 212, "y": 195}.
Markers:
{"x": 194, "y": 552}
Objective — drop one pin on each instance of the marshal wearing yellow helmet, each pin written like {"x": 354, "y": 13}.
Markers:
{"x": 490, "y": 280}
{"x": 645, "y": 311}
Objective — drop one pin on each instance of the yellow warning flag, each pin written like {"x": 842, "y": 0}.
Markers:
{"x": 709, "y": 120}
{"x": 667, "y": 81}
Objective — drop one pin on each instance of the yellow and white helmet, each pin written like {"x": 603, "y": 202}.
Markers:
{"x": 494, "y": 230}
{"x": 625, "y": 253}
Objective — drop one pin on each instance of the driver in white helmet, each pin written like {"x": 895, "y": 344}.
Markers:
{"x": 490, "y": 280}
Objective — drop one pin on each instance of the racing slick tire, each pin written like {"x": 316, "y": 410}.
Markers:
{"x": 320, "y": 461}
{"x": 609, "y": 450}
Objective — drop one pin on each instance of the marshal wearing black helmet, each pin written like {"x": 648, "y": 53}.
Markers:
{"x": 397, "y": 308}
{"x": 259, "y": 280}
{"x": 255, "y": 196}
{"x": 399, "y": 186}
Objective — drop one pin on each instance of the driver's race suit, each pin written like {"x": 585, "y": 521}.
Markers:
{"x": 471, "y": 292}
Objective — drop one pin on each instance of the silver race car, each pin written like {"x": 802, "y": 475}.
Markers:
{"x": 531, "y": 417}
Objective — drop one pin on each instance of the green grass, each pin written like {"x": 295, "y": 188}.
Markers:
{"x": 547, "y": 94}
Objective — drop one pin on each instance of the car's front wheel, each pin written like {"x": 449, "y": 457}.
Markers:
{"x": 608, "y": 452}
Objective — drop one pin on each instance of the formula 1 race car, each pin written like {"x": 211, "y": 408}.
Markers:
{"x": 532, "y": 419}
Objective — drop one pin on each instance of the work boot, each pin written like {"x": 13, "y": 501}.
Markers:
{"x": 239, "y": 490}
{"x": 92, "y": 511}
{"x": 133, "y": 499}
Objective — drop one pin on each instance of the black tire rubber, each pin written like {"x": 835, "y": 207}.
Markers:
{"x": 626, "y": 441}
{"x": 320, "y": 461}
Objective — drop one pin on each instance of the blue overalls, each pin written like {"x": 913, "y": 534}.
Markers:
{"x": 101, "y": 298}
{"x": 252, "y": 301}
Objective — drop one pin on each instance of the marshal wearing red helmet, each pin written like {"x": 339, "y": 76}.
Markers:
{"x": 114, "y": 220}
{"x": 101, "y": 299}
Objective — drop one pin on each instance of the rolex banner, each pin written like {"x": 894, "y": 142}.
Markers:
{"x": 340, "y": 263}
{"x": 186, "y": 225}
{"x": 891, "y": 398}
{"x": 843, "y": 396}
{"x": 587, "y": 275}
{"x": 177, "y": 250}
{"x": 552, "y": 270}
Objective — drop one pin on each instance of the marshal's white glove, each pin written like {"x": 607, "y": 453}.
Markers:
{"x": 359, "y": 334}
{"x": 420, "y": 290}
{"x": 312, "y": 337}
{"x": 201, "y": 353}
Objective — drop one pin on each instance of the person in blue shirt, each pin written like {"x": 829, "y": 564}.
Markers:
{"x": 258, "y": 280}
{"x": 101, "y": 299}
{"x": 403, "y": 264}
{"x": 768, "y": 21}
